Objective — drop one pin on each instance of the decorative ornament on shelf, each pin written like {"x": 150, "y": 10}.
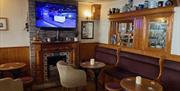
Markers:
{"x": 130, "y": 2}
{"x": 76, "y": 33}
{"x": 161, "y": 3}
{"x": 36, "y": 37}
{"x": 146, "y": 3}
{"x": 169, "y": 3}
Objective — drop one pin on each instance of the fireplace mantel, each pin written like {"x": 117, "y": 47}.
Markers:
{"x": 49, "y": 47}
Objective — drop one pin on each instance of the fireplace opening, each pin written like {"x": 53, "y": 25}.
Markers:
{"x": 52, "y": 71}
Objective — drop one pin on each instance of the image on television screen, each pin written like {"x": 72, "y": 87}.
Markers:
{"x": 49, "y": 15}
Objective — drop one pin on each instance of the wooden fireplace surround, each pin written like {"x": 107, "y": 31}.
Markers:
{"x": 41, "y": 48}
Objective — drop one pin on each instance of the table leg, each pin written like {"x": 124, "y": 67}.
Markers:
{"x": 1, "y": 74}
{"x": 96, "y": 73}
{"x": 16, "y": 73}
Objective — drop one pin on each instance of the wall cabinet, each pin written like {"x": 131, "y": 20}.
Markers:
{"x": 158, "y": 30}
{"x": 145, "y": 31}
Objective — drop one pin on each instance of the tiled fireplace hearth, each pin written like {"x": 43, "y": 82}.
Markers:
{"x": 44, "y": 53}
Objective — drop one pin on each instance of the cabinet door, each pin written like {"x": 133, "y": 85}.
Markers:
{"x": 158, "y": 32}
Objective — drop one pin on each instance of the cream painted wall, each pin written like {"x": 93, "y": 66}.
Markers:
{"x": 176, "y": 33}
{"x": 81, "y": 8}
{"x": 16, "y": 12}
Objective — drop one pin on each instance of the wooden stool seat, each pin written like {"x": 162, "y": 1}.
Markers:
{"x": 112, "y": 86}
{"x": 27, "y": 81}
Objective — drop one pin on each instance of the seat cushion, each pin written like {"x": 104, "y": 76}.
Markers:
{"x": 27, "y": 80}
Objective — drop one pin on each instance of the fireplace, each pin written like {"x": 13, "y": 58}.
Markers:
{"x": 48, "y": 54}
{"x": 50, "y": 60}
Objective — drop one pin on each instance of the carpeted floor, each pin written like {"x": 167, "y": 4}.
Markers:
{"x": 90, "y": 87}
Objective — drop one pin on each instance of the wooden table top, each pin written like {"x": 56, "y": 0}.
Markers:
{"x": 96, "y": 65}
{"x": 11, "y": 66}
{"x": 129, "y": 84}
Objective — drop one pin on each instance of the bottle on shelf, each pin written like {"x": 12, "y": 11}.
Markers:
{"x": 130, "y": 2}
{"x": 160, "y": 3}
{"x": 146, "y": 3}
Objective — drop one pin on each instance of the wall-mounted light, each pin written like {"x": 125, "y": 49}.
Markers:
{"x": 87, "y": 14}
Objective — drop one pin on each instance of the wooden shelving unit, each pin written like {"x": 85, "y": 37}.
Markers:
{"x": 141, "y": 31}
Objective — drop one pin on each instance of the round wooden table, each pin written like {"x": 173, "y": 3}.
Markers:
{"x": 12, "y": 67}
{"x": 95, "y": 68}
{"x": 129, "y": 84}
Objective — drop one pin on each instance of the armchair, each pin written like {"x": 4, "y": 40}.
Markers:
{"x": 71, "y": 77}
{"x": 9, "y": 84}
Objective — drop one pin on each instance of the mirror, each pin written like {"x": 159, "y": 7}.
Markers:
{"x": 87, "y": 29}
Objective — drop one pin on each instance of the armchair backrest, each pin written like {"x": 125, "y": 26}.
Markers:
{"x": 63, "y": 69}
{"x": 106, "y": 55}
{"x": 9, "y": 84}
{"x": 139, "y": 64}
{"x": 69, "y": 76}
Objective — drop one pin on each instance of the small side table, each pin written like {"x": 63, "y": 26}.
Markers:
{"x": 12, "y": 67}
{"x": 95, "y": 68}
{"x": 129, "y": 84}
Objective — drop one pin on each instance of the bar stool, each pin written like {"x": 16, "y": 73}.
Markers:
{"x": 113, "y": 86}
{"x": 27, "y": 82}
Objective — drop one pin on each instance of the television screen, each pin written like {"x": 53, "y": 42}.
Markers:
{"x": 51, "y": 15}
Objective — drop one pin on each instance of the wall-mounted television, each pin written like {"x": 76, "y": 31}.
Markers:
{"x": 56, "y": 16}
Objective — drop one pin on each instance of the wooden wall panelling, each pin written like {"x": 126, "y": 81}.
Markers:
{"x": 86, "y": 51}
{"x": 15, "y": 54}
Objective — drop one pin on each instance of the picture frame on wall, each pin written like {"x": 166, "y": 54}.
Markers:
{"x": 87, "y": 29}
{"x": 3, "y": 24}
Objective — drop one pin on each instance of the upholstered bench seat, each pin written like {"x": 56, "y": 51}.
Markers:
{"x": 118, "y": 72}
{"x": 27, "y": 82}
{"x": 131, "y": 64}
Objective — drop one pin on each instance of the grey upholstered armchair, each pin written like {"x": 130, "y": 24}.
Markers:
{"x": 71, "y": 77}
